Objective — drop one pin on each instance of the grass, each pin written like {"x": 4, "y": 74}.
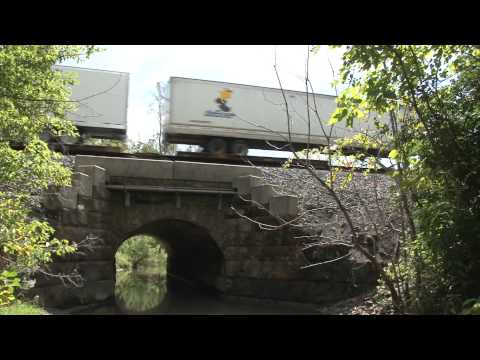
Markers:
{"x": 22, "y": 308}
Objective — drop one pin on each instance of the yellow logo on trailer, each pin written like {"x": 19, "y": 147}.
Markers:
{"x": 222, "y": 99}
{"x": 225, "y": 111}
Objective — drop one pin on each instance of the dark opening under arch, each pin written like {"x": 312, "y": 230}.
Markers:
{"x": 194, "y": 259}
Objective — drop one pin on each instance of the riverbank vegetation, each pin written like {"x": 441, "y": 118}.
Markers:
{"x": 22, "y": 308}
{"x": 420, "y": 234}
{"x": 431, "y": 95}
{"x": 34, "y": 103}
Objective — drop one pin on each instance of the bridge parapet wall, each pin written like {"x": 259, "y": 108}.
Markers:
{"x": 166, "y": 169}
{"x": 246, "y": 180}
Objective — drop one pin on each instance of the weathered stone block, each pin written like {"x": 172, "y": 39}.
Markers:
{"x": 254, "y": 251}
{"x": 78, "y": 233}
{"x": 244, "y": 184}
{"x": 101, "y": 192}
{"x": 74, "y": 217}
{"x": 244, "y": 225}
{"x": 55, "y": 296}
{"x": 285, "y": 270}
{"x": 223, "y": 284}
{"x": 233, "y": 268}
{"x": 134, "y": 168}
{"x": 251, "y": 238}
{"x": 234, "y": 238}
{"x": 102, "y": 290}
{"x": 96, "y": 173}
{"x": 63, "y": 297}
{"x": 51, "y": 202}
{"x": 252, "y": 268}
{"x": 277, "y": 252}
{"x": 236, "y": 252}
{"x": 97, "y": 219}
{"x": 91, "y": 249}
{"x": 88, "y": 270}
{"x": 68, "y": 198}
{"x": 284, "y": 206}
{"x": 267, "y": 238}
{"x": 242, "y": 286}
{"x": 83, "y": 183}
{"x": 267, "y": 269}
{"x": 84, "y": 203}
{"x": 314, "y": 273}
{"x": 82, "y": 217}
{"x": 100, "y": 205}
{"x": 211, "y": 172}
{"x": 297, "y": 291}
{"x": 231, "y": 223}
{"x": 262, "y": 194}
{"x": 97, "y": 270}
{"x": 273, "y": 289}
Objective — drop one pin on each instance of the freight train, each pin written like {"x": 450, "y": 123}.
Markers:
{"x": 220, "y": 117}
{"x": 232, "y": 118}
{"x": 101, "y": 97}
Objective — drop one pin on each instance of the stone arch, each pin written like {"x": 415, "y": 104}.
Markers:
{"x": 194, "y": 257}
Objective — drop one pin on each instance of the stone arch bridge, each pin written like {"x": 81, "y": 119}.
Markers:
{"x": 188, "y": 206}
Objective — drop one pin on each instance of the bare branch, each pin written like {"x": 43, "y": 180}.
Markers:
{"x": 328, "y": 261}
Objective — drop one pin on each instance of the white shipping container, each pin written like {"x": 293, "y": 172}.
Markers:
{"x": 201, "y": 109}
{"x": 102, "y": 98}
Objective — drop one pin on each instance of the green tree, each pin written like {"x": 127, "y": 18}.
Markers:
{"x": 33, "y": 100}
{"x": 432, "y": 96}
{"x": 139, "y": 251}
{"x": 149, "y": 147}
{"x": 118, "y": 144}
{"x": 154, "y": 145}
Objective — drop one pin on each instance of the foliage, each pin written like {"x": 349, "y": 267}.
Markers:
{"x": 34, "y": 99}
{"x": 431, "y": 95}
{"x": 9, "y": 281}
{"x": 21, "y": 308}
{"x": 140, "y": 251}
{"x": 138, "y": 260}
{"x": 151, "y": 146}
{"x": 471, "y": 307}
{"x": 120, "y": 145}
{"x": 138, "y": 293}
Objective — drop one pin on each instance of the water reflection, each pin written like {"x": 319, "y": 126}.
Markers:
{"x": 139, "y": 292}
{"x": 146, "y": 293}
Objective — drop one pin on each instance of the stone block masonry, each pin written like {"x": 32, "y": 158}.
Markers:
{"x": 208, "y": 244}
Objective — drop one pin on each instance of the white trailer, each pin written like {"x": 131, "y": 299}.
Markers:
{"x": 227, "y": 117}
{"x": 102, "y": 102}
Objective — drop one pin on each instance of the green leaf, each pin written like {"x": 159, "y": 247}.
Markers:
{"x": 393, "y": 154}
{"x": 9, "y": 274}
{"x": 33, "y": 101}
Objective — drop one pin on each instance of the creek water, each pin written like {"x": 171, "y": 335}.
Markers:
{"x": 137, "y": 293}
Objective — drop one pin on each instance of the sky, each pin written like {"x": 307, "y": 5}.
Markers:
{"x": 244, "y": 64}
